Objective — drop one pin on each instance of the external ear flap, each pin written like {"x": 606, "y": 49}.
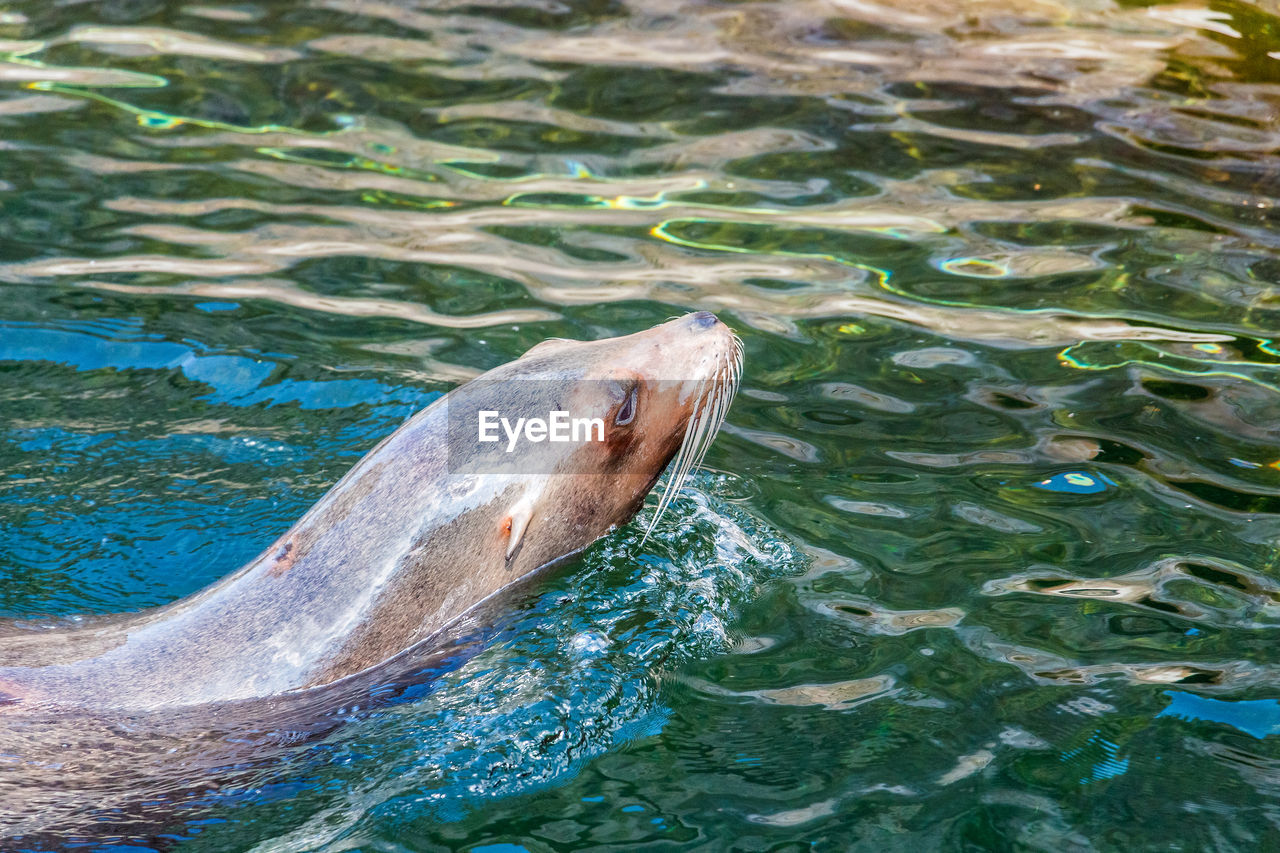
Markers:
{"x": 548, "y": 346}
{"x": 517, "y": 520}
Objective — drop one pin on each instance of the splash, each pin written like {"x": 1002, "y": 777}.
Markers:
{"x": 572, "y": 674}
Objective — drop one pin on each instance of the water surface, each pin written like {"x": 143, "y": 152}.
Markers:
{"x": 985, "y": 557}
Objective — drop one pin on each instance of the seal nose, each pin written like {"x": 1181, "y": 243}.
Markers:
{"x": 702, "y": 320}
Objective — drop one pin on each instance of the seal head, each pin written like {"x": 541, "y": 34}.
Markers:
{"x": 656, "y": 394}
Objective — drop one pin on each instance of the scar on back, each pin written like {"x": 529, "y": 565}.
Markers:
{"x": 284, "y": 558}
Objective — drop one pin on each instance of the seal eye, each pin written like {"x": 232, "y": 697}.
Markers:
{"x": 627, "y": 411}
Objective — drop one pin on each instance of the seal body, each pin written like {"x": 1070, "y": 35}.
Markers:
{"x": 427, "y": 525}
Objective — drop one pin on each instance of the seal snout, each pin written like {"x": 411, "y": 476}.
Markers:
{"x": 700, "y": 320}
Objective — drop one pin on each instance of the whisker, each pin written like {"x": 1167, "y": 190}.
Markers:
{"x": 673, "y": 481}
{"x": 684, "y": 458}
{"x": 714, "y": 397}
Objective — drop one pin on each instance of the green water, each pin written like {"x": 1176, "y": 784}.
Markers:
{"x": 985, "y": 556}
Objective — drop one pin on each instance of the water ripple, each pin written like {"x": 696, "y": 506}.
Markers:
{"x": 1007, "y": 279}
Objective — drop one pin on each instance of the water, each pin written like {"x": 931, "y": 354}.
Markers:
{"x": 985, "y": 557}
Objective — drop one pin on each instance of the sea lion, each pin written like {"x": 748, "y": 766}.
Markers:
{"x": 431, "y": 522}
